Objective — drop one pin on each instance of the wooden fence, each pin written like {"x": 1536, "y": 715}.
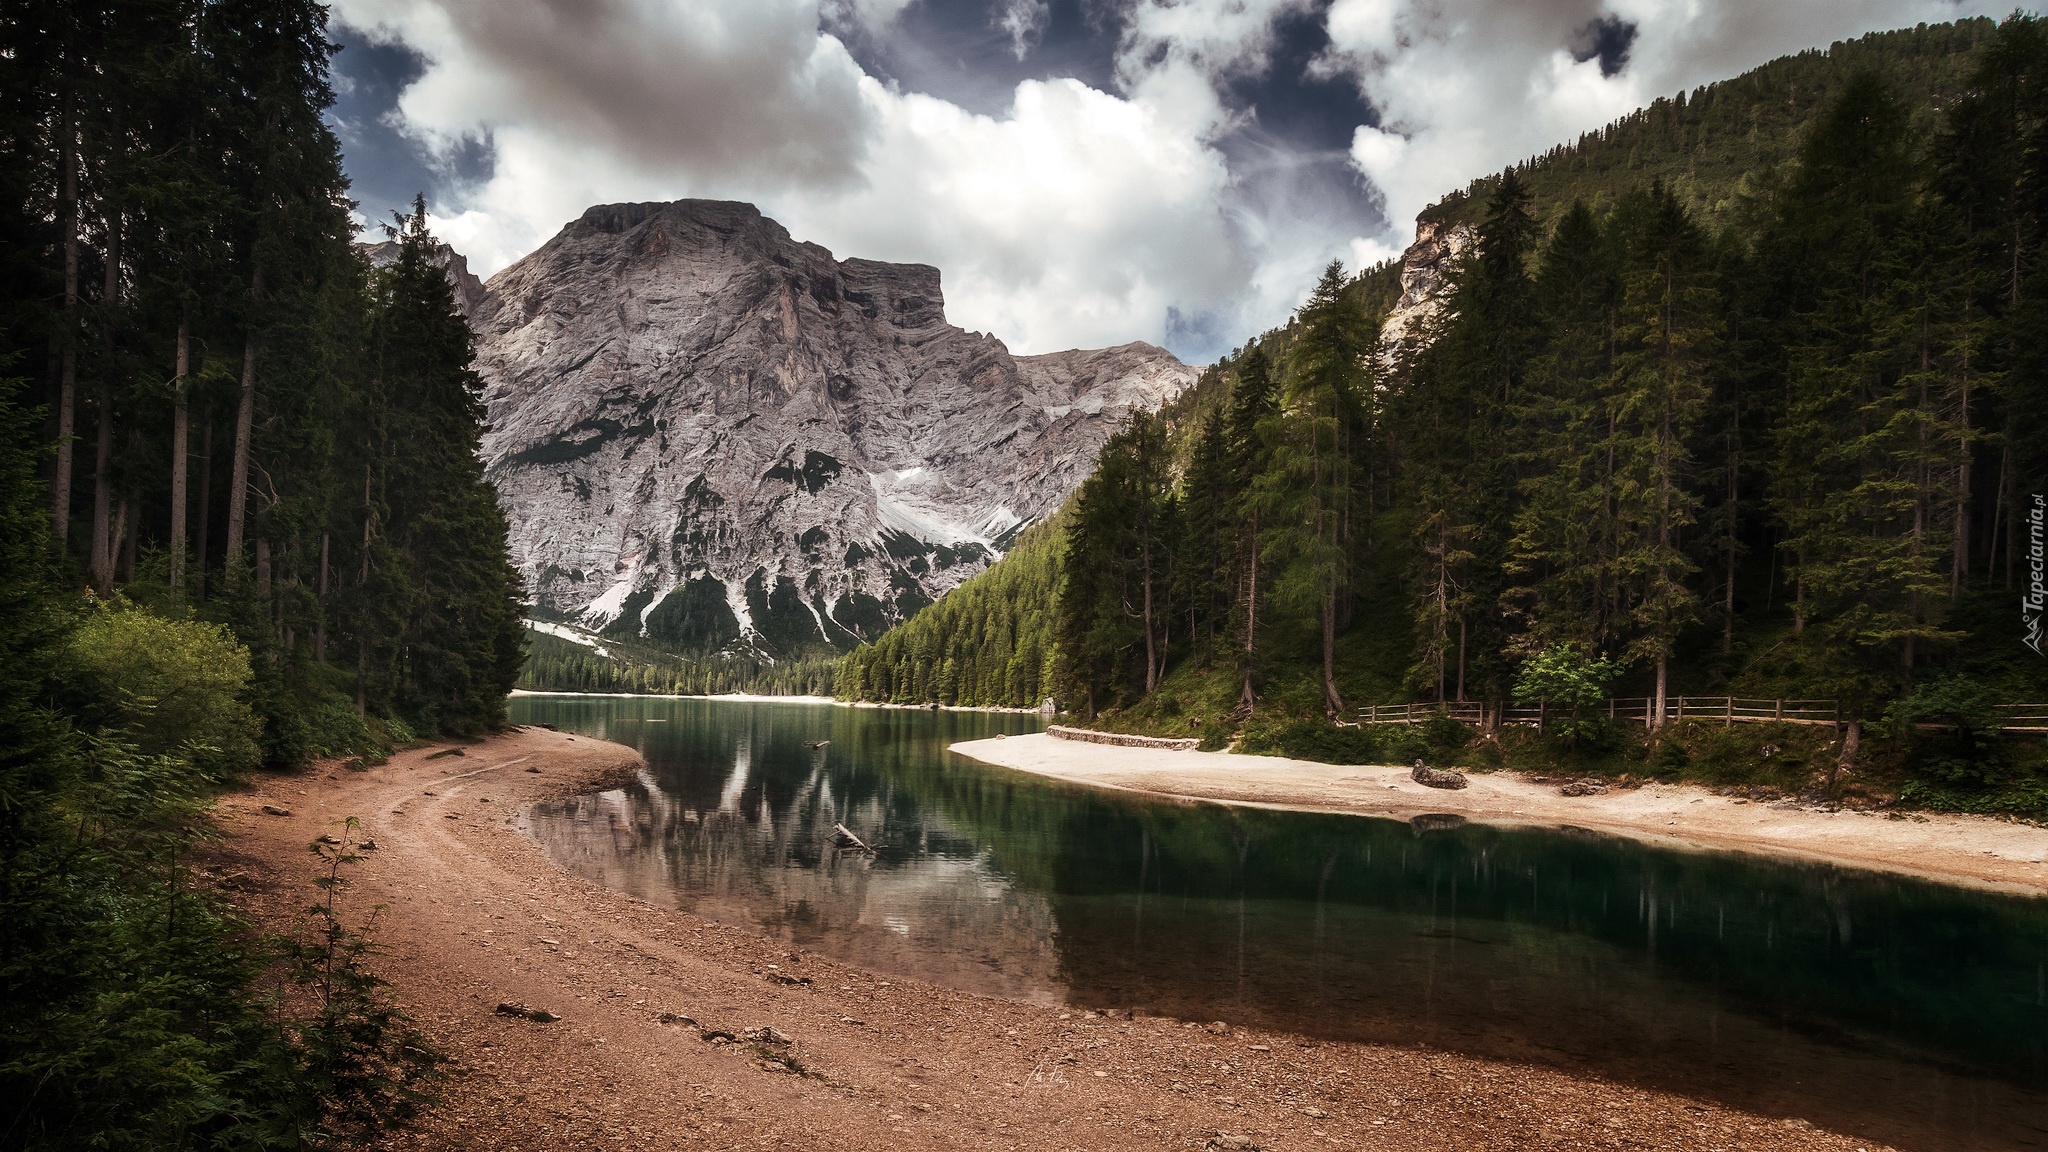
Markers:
{"x": 1725, "y": 709}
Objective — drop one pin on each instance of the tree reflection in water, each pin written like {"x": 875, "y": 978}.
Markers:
{"x": 1900, "y": 1010}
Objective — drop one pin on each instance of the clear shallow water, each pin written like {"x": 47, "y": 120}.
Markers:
{"x": 1902, "y": 1011}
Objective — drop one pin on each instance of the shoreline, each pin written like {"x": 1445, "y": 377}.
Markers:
{"x": 1972, "y": 851}
{"x": 759, "y": 698}
{"x": 474, "y": 915}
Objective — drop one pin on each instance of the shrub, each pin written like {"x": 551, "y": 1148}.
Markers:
{"x": 1312, "y": 739}
{"x": 1572, "y": 682}
{"x": 172, "y": 687}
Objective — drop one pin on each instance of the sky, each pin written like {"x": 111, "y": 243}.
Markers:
{"x": 1083, "y": 172}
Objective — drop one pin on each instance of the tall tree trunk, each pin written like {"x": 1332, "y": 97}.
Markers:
{"x": 1959, "y": 574}
{"x": 1332, "y": 703}
{"x": 1663, "y": 688}
{"x": 1151, "y": 644}
{"x": 1732, "y": 544}
{"x": 104, "y": 537}
{"x": 363, "y": 583}
{"x": 1246, "y": 698}
{"x": 238, "y": 476}
{"x": 320, "y": 617}
{"x": 128, "y": 527}
{"x": 101, "y": 563}
{"x": 67, "y": 372}
{"x": 1461, "y": 660}
{"x": 181, "y": 430}
{"x": 205, "y": 506}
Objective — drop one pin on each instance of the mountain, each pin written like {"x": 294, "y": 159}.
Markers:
{"x": 1719, "y": 148}
{"x": 469, "y": 291}
{"x": 709, "y": 436}
{"x": 1483, "y": 490}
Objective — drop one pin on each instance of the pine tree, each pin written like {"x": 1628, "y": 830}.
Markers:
{"x": 1305, "y": 494}
{"x": 1462, "y": 389}
{"x": 1666, "y": 338}
{"x": 1247, "y": 434}
{"x": 459, "y": 649}
{"x": 1562, "y": 558}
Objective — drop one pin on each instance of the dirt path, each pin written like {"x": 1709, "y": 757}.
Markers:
{"x": 1973, "y": 850}
{"x": 477, "y": 916}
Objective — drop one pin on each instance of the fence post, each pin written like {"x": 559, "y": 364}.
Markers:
{"x": 1731, "y": 713}
{"x": 1681, "y": 710}
{"x": 1780, "y": 714}
{"x": 1610, "y": 709}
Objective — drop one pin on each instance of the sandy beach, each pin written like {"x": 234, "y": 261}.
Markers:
{"x": 1973, "y": 850}
{"x": 475, "y": 916}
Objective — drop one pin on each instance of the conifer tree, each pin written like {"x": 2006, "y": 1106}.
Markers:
{"x": 458, "y": 650}
{"x": 1666, "y": 335}
{"x": 1247, "y": 434}
{"x": 1305, "y": 494}
{"x": 1562, "y": 560}
{"x": 1463, "y": 387}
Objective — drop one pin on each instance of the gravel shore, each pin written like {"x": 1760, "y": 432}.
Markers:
{"x": 477, "y": 917}
{"x": 1972, "y": 850}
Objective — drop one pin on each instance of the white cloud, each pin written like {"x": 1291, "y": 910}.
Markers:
{"x": 1075, "y": 217}
{"x": 1466, "y": 87}
{"x": 1078, "y": 218}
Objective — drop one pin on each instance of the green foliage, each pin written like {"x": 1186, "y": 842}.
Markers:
{"x": 357, "y": 1055}
{"x": 987, "y": 643}
{"x": 1721, "y": 145}
{"x": 178, "y": 686}
{"x": 557, "y": 665}
{"x": 1732, "y": 396}
{"x": 287, "y": 437}
{"x": 1308, "y": 738}
{"x": 1569, "y": 679}
{"x": 131, "y": 1007}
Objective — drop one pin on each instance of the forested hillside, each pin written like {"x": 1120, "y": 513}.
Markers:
{"x": 242, "y": 523}
{"x": 1723, "y": 144}
{"x": 987, "y": 643}
{"x": 1760, "y": 427}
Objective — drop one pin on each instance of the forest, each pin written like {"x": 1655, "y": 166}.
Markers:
{"x": 1700, "y": 412}
{"x": 244, "y": 525}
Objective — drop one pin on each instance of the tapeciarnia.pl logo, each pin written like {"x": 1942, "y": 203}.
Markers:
{"x": 2036, "y": 598}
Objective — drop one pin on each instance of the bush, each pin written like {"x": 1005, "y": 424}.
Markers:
{"x": 1573, "y": 683}
{"x": 1310, "y": 739}
{"x": 172, "y": 687}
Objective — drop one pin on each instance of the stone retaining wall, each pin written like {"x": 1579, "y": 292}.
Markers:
{"x": 1122, "y": 740}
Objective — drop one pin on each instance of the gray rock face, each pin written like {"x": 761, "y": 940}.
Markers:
{"x": 1425, "y": 274}
{"x": 706, "y": 434}
{"x": 469, "y": 291}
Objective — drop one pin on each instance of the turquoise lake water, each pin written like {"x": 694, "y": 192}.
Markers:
{"x": 1894, "y": 1009}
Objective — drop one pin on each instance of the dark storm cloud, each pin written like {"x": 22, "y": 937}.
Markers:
{"x": 1292, "y": 119}
{"x": 1289, "y": 151}
{"x": 970, "y": 53}
{"x": 1606, "y": 38}
{"x": 386, "y": 167}
{"x": 748, "y": 91}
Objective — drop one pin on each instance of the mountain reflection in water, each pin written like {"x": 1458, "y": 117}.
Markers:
{"x": 1894, "y": 1009}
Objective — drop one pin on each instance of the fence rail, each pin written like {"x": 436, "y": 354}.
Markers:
{"x": 1726, "y": 709}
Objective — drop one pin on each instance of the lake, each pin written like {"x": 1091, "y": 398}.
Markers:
{"x": 1895, "y": 1009}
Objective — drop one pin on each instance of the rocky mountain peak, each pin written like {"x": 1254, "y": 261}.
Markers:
{"x": 469, "y": 291}
{"x": 706, "y": 433}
